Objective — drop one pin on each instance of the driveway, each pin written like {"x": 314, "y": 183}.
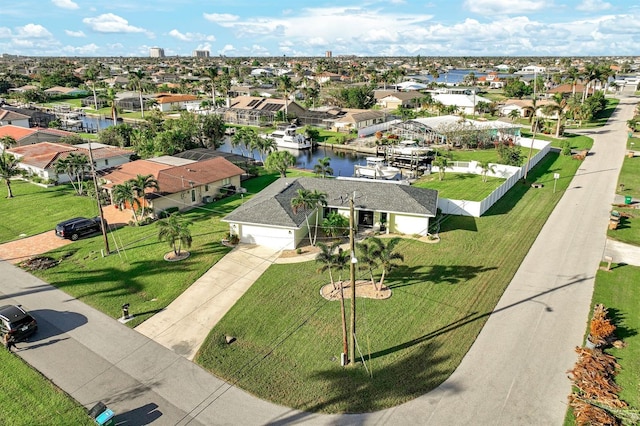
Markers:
{"x": 25, "y": 248}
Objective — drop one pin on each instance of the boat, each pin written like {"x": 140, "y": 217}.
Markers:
{"x": 376, "y": 168}
{"x": 288, "y": 137}
{"x": 409, "y": 148}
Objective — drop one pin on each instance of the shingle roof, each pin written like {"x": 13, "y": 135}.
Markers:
{"x": 272, "y": 206}
{"x": 6, "y": 115}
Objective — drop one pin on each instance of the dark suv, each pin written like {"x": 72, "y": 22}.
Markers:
{"x": 16, "y": 322}
{"x": 77, "y": 227}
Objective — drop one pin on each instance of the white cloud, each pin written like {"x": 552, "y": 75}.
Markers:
{"x": 191, "y": 36}
{"x": 506, "y": 7}
{"x": 593, "y": 5}
{"x": 110, "y": 23}
{"x": 87, "y": 49}
{"x": 33, "y": 31}
{"x": 65, "y": 4}
{"x": 220, "y": 17}
{"x": 75, "y": 33}
{"x": 228, "y": 48}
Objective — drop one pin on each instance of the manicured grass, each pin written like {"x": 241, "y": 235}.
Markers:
{"x": 28, "y": 398}
{"x": 628, "y": 230}
{"x": 633, "y": 143}
{"x": 489, "y": 155}
{"x": 289, "y": 338}
{"x": 630, "y": 177}
{"x": 618, "y": 291}
{"x": 35, "y": 209}
{"x": 460, "y": 186}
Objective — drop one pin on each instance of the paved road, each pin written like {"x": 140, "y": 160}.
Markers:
{"x": 513, "y": 374}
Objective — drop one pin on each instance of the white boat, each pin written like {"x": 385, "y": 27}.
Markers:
{"x": 288, "y": 137}
{"x": 376, "y": 168}
{"x": 408, "y": 147}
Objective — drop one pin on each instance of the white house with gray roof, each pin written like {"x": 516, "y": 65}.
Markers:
{"x": 268, "y": 219}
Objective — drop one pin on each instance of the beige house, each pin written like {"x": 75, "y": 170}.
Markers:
{"x": 256, "y": 111}
{"x": 393, "y": 100}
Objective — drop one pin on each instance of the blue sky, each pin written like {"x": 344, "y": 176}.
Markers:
{"x": 309, "y": 28}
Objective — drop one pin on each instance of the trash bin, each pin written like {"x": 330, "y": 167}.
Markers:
{"x": 102, "y": 415}
{"x": 627, "y": 199}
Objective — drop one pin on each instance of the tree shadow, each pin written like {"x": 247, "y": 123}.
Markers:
{"x": 404, "y": 276}
{"x": 617, "y": 317}
{"x": 54, "y": 323}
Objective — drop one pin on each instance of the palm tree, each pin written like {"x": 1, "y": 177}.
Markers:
{"x": 91, "y": 73}
{"x": 285, "y": 84}
{"x": 368, "y": 255}
{"x": 212, "y": 73}
{"x": 514, "y": 114}
{"x": 136, "y": 80}
{"x": 303, "y": 201}
{"x": 175, "y": 231}
{"x": 111, "y": 100}
{"x": 140, "y": 184}
{"x": 8, "y": 169}
{"x": 7, "y": 142}
{"x": 486, "y": 167}
{"x": 125, "y": 193}
{"x": 558, "y": 108}
{"x": 323, "y": 167}
{"x": 265, "y": 146}
{"x": 75, "y": 166}
{"x": 442, "y": 163}
{"x": 388, "y": 257}
{"x": 319, "y": 200}
{"x": 330, "y": 259}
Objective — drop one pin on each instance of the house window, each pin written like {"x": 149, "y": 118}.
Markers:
{"x": 193, "y": 195}
{"x": 106, "y": 162}
{"x": 206, "y": 188}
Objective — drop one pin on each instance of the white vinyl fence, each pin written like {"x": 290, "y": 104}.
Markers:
{"x": 510, "y": 173}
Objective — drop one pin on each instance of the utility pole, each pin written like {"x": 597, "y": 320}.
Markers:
{"x": 352, "y": 278}
{"x": 95, "y": 185}
{"x": 535, "y": 125}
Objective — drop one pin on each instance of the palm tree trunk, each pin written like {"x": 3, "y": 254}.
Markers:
{"x": 9, "y": 193}
{"x": 141, "y": 105}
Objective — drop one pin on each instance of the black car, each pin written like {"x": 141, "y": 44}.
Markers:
{"x": 77, "y": 227}
{"x": 16, "y": 322}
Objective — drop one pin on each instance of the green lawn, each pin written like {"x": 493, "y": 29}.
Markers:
{"x": 288, "y": 337}
{"x": 28, "y": 398}
{"x": 633, "y": 143}
{"x": 630, "y": 177}
{"x": 35, "y": 209}
{"x": 460, "y": 186}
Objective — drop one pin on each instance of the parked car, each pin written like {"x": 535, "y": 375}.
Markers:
{"x": 16, "y": 322}
{"x": 78, "y": 227}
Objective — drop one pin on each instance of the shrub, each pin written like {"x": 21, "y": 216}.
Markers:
{"x": 168, "y": 212}
{"x": 566, "y": 148}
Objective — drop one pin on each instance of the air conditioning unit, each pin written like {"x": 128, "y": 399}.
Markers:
{"x": 207, "y": 199}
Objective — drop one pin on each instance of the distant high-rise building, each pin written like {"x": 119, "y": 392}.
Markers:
{"x": 156, "y": 52}
{"x": 200, "y": 54}
{"x": 328, "y": 54}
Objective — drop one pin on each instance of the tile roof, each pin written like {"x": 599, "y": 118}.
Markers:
{"x": 175, "y": 98}
{"x": 272, "y": 206}
{"x": 126, "y": 171}
{"x": 179, "y": 178}
{"x": 15, "y": 132}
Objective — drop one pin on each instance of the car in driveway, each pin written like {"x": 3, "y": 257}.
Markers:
{"x": 77, "y": 227}
{"x": 16, "y": 322}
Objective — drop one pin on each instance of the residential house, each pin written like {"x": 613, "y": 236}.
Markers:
{"x": 268, "y": 219}
{"x": 465, "y": 103}
{"x": 36, "y": 117}
{"x": 326, "y": 77}
{"x": 394, "y": 100}
{"x": 27, "y": 136}
{"x": 39, "y": 159}
{"x": 168, "y": 102}
{"x": 524, "y": 107}
{"x": 532, "y": 69}
{"x": 185, "y": 185}
{"x": 8, "y": 117}
{"x": 568, "y": 89}
{"x": 65, "y": 91}
{"x": 348, "y": 119}
{"x": 256, "y": 111}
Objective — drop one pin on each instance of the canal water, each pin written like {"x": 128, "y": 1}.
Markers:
{"x": 342, "y": 162}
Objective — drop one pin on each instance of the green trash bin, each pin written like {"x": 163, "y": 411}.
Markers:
{"x": 627, "y": 199}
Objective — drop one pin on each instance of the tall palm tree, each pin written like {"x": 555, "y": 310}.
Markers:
{"x": 140, "y": 184}
{"x": 442, "y": 163}
{"x": 303, "y": 201}
{"x": 286, "y": 85}
{"x": 212, "y": 73}
{"x": 92, "y": 74}
{"x": 137, "y": 81}
{"x": 111, "y": 100}
{"x": 557, "y": 108}
{"x": 175, "y": 231}
{"x": 323, "y": 167}
{"x": 124, "y": 194}
{"x": 319, "y": 200}
{"x": 8, "y": 169}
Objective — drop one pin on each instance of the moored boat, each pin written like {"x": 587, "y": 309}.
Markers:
{"x": 288, "y": 137}
{"x": 376, "y": 168}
